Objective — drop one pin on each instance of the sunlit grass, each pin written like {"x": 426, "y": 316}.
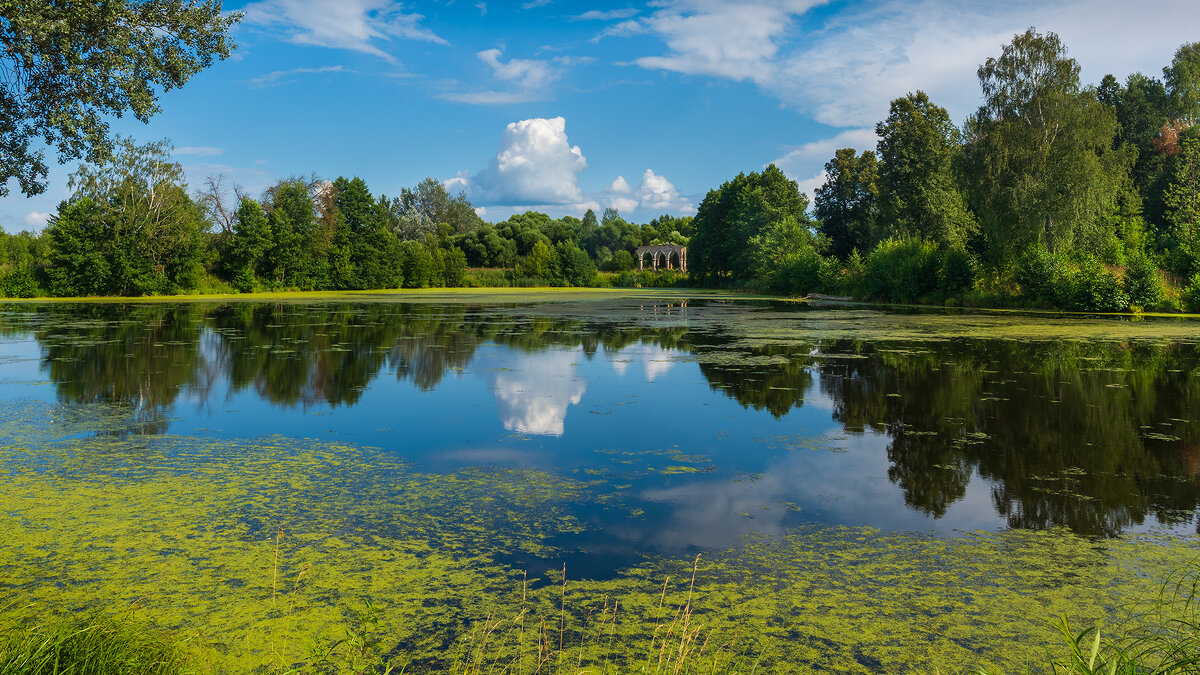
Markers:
{"x": 483, "y": 294}
{"x": 85, "y": 645}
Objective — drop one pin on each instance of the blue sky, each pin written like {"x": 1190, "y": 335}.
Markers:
{"x": 562, "y": 106}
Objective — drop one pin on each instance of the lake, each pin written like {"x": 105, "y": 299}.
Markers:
{"x": 866, "y": 491}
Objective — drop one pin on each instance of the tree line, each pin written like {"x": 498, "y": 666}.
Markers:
{"x": 1052, "y": 194}
{"x": 131, "y": 228}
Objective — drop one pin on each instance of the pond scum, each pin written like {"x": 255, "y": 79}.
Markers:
{"x": 287, "y": 555}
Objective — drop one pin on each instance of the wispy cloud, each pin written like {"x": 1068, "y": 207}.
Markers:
{"x": 845, "y": 67}
{"x": 280, "y": 77}
{"x": 36, "y": 219}
{"x": 199, "y": 151}
{"x": 606, "y": 14}
{"x": 526, "y": 79}
{"x": 806, "y": 163}
{"x": 359, "y": 25}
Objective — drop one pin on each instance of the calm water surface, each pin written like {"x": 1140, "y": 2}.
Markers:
{"x": 690, "y": 426}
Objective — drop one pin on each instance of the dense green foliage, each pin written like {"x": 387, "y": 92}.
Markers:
{"x": 70, "y": 65}
{"x": 752, "y": 216}
{"x": 1054, "y": 194}
{"x": 130, "y": 228}
{"x": 846, "y": 204}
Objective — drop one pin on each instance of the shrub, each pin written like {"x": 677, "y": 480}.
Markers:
{"x": 622, "y": 261}
{"x": 416, "y": 265}
{"x": 1191, "y": 293}
{"x": 455, "y": 267}
{"x": 576, "y": 267}
{"x": 1093, "y": 289}
{"x": 854, "y": 281}
{"x": 956, "y": 272}
{"x": 1142, "y": 285}
{"x": 830, "y": 275}
{"x": 19, "y": 282}
{"x": 648, "y": 279}
{"x": 1039, "y": 273}
{"x": 901, "y": 270}
{"x": 799, "y": 273}
{"x": 486, "y": 277}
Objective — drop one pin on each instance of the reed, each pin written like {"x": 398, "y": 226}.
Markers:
{"x": 95, "y": 643}
{"x": 602, "y": 636}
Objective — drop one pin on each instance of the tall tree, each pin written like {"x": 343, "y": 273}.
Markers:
{"x": 919, "y": 195}
{"x": 372, "y": 245}
{"x": 1183, "y": 83}
{"x": 846, "y": 204}
{"x": 133, "y": 211}
{"x": 1142, "y": 107}
{"x": 738, "y": 211}
{"x": 1182, "y": 199}
{"x": 246, "y": 254}
{"x": 1041, "y": 159}
{"x": 70, "y": 65}
{"x": 293, "y": 225}
{"x": 431, "y": 203}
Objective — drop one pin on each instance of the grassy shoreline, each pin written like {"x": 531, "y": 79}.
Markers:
{"x": 497, "y": 294}
{"x": 562, "y": 294}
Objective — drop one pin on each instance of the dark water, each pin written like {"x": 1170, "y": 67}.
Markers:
{"x": 718, "y": 428}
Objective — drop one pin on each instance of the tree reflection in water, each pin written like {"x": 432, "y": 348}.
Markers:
{"x": 1093, "y": 435}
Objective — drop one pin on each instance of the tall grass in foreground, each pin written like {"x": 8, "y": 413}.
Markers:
{"x": 84, "y": 645}
{"x": 536, "y": 640}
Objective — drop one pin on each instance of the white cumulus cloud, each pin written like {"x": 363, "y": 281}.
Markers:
{"x": 536, "y": 165}
{"x": 36, "y": 219}
{"x": 359, "y": 25}
{"x": 620, "y": 186}
{"x": 659, "y": 194}
{"x": 655, "y": 193}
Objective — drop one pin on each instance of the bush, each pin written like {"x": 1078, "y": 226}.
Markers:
{"x": 649, "y": 279}
{"x": 416, "y": 265}
{"x": 854, "y": 281}
{"x": 956, "y": 272}
{"x": 1093, "y": 289}
{"x": 210, "y": 285}
{"x": 576, "y": 267}
{"x": 19, "y": 282}
{"x": 830, "y": 275}
{"x": 1040, "y": 273}
{"x": 1191, "y": 293}
{"x": 1142, "y": 285}
{"x": 486, "y": 277}
{"x": 622, "y": 261}
{"x": 455, "y": 267}
{"x": 901, "y": 270}
{"x": 799, "y": 273}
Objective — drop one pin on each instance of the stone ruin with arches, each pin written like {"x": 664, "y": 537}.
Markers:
{"x": 662, "y": 255}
